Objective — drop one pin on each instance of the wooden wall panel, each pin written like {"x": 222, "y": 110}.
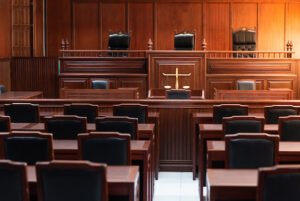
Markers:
{"x": 140, "y": 24}
{"x": 85, "y": 17}
{"x": 58, "y": 24}
{"x": 271, "y": 27}
{"x": 177, "y": 17}
{"x": 113, "y": 20}
{"x": 293, "y": 26}
{"x": 5, "y": 73}
{"x": 38, "y": 37}
{"x": 5, "y": 28}
{"x": 243, "y": 15}
{"x": 35, "y": 74}
{"x": 217, "y": 26}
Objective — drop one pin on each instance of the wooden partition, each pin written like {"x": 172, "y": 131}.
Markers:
{"x": 122, "y": 93}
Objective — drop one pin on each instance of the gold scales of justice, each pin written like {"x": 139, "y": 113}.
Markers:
{"x": 176, "y": 75}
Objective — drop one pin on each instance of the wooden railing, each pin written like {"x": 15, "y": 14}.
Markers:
{"x": 250, "y": 54}
{"x": 102, "y": 53}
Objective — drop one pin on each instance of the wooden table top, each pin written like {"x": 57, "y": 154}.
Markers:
{"x": 285, "y": 147}
{"x": 90, "y": 127}
{"x": 218, "y": 128}
{"x": 232, "y": 177}
{"x": 21, "y": 94}
{"x": 71, "y": 145}
{"x": 115, "y": 174}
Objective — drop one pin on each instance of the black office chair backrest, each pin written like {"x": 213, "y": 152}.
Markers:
{"x": 272, "y": 113}
{"x": 246, "y": 151}
{"x": 289, "y": 128}
{"x": 22, "y": 112}
{"x": 13, "y": 182}
{"x": 118, "y": 124}
{"x": 245, "y": 85}
{"x": 71, "y": 180}
{"x": 83, "y": 110}
{"x": 243, "y": 124}
{"x": 132, "y": 110}
{"x": 228, "y": 110}
{"x": 5, "y": 124}
{"x": 111, "y": 148}
{"x": 65, "y": 127}
{"x": 118, "y": 41}
{"x": 100, "y": 84}
{"x": 27, "y": 146}
{"x": 184, "y": 41}
{"x": 279, "y": 183}
{"x": 178, "y": 94}
{"x": 244, "y": 40}
{"x": 2, "y": 89}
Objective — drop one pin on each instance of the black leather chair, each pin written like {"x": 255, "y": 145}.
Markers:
{"x": 228, "y": 110}
{"x": 13, "y": 182}
{"x": 272, "y": 113}
{"x": 245, "y": 85}
{"x": 132, "y": 110}
{"x": 248, "y": 150}
{"x": 289, "y": 128}
{"x": 243, "y": 124}
{"x": 22, "y": 112}
{"x": 118, "y": 41}
{"x": 5, "y": 124}
{"x": 178, "y": 94}
{"x": 184, "y": 41}
{"x": 111, "y": 148}
{"x": 118, "y": 124}
{"x": 244, "y": 40}
{"x": 65, "y": 126}
{"x": 2, "y": 89}
{"x": 83, "y": 110}
{"x": 29, "y": 147}
{"x": 100, "y": 84}
{"x": 71, "y": 181}
{"x": 279, "y": 183}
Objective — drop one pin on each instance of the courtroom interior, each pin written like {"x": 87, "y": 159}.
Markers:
{"x": 149, "y": 100}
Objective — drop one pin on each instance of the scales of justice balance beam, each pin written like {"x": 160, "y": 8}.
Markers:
{"x": 176, "y": 75}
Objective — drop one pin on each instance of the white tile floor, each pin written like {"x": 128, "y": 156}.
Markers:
{"x": 176, "y": 186}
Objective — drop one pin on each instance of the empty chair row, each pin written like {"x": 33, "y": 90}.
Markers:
{"x": 111, "y": 148}
{"x": 288, "y": 127}
{"x": 56, "y": 181}
{"x": 69, "y": 126}
{"x": 271, "y": 113}
{"x": 30, "y": 113}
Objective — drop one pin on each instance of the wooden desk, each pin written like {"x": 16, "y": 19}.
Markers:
{"x": 231, "y": 184}
{"x": 145, "y": 131}
{"x": 215, "y": 132}
{"x": 289, "y": 152}
{"x": 122, "y": 181}
{"x": 21, "y": 95}
{"x": 140, "y": 155}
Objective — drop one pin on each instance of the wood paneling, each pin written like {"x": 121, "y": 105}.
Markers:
{"x": 86, "y": 23}
{"x": 140, "y": 24}
{"x": 35, "y": 74}
{"x": 5, "y": 73}
{"x": 271, "y": 27}
{"x": 217, "y": 26}
{"x": 58, "y": 24}
{"x": 293, "y": 26}
{"x": 38, "y": 37}
{"x": 5, "y": 28}
{"x": 177, "y": 17}
{"x": 243, "y": 15}
{"x": 114, "y": 19}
